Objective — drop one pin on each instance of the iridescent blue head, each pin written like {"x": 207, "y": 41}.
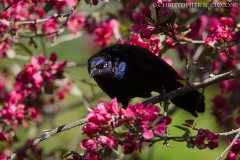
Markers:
{"x": 100, "y": 65}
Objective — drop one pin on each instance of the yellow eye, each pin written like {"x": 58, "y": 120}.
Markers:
{"x": 105, "y": 65}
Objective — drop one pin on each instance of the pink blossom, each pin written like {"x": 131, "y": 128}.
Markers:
{"x": 104, "y": 34}
{"x": 89, "y": 144}
{"x": 33, "y": 113}
{"x": 90, "y": 129}
{"x": 95, "y": 2}
{"x": 147, "y": 133}
{"x": 160, "y": 129}
{"x": 107, "y": 141}
{"x": 3, "y": 158}
{"x": 71, "y": 2}
{"x": 61, "y": 94}
{"x": 50, "y": 26}
{"x": 3, "y": 136}
{"x": 113, "y": 107}
{"x": 5, "y": 15}
{"x": 153, "y": 44}
{"x": 141, "y": 24}
{"x": 145, "y": 11}
{"x": 4, "y": 23}
{"x": 76, "y": 23}
{"x": 169, "y": 42}
{"x": 37, "y": 78}
{"x": 234, "y": 150}
{"x": 53, "y": 57}
{"x": 227, "y": 21}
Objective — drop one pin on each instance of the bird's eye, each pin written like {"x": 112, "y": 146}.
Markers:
{"x": 105, "y": 65}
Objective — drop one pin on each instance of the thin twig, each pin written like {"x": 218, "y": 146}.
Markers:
{"x": 182, "y": 53}
{"x": 69, "y": 64}
{"x": 230, "y": 145}
{"x": 186, "y": 41}
{"x": 68, "y": 37}
{"x": 43, "y": 47}
{"x": 41, "y": 20}
{"x": 10, "y": 5}
{"x": 16, "y": 42}
{"x": 229, "y": 133}
{"x": 57, "y": 32}
{"x": 63, "y": 25}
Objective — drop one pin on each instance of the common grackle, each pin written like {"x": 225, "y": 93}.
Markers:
{"x": 127, "y": 71}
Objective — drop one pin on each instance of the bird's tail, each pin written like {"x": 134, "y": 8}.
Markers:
{"x": 192, "y": 102}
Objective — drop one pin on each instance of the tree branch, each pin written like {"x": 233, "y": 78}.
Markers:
{"x": 197, "y": 85}
{"x": 47, "y": 135}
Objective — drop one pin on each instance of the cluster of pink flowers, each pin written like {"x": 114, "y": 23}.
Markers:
{"x": 107, "y": 124}
{"x": 28, "y": 85}
{"x": 142, "y": 24}
{"x": 13, "y": 113}
{"x": 18, "y": 12}
{"x": 49, "y": 24}
{"x": 76, "y": 22}
{"x": 153, "y": 44}
{"x": 104, "y": 32}
{"x": 222, "y": 32}
{"x": 39, "y": 73}
{"x": 202, "y": 137}
{"x": 20, "y": 17}
{"x": 146, "y": 25}
{"x": 233, "y": 154}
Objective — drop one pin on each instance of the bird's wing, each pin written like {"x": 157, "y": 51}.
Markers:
{"x": 144, "y": 60}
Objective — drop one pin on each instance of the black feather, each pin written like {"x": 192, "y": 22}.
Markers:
{"x": 128, "y": 71}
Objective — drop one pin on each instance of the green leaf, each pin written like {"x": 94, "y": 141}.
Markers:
{"x": 48, "y": 89}
{"x": 182, "y": 128}
{"x": 147, "y": 2}
{"x": 179, "y": 140}
{"x": 120, "y": 136}
{"x": 125, "y": 2}
{"x": 187, "y": 125}
{"x": 121, "y": 129}
{"x": 165, "y": 17}
{"x": 203, "y": 1}
{"x": 48, "y": 7}
{"x": 182, "y": 29}
{"x": 87, "y": 1}
{"x": 156, "y": 31}
{"x": 118, "y": 149}
{"x": 189, "y": 121}
{"x": 186, "y": 136}
{"x": 173, "y": 18}
{"x": 190, "y": 145}
{"x": 124, "y": 28}
{"x": 107, "y": 151}
{"x": 207, "y": 52}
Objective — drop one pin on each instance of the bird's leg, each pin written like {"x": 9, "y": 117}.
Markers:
{"x": 163, "y": 100}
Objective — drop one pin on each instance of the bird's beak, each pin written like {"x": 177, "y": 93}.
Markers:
{"x": 91, "y": 74}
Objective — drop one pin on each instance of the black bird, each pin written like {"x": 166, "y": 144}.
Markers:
{"x": 127, "y": 71}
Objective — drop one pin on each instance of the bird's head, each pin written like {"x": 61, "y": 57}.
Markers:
{"x": 99, "y": 65}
